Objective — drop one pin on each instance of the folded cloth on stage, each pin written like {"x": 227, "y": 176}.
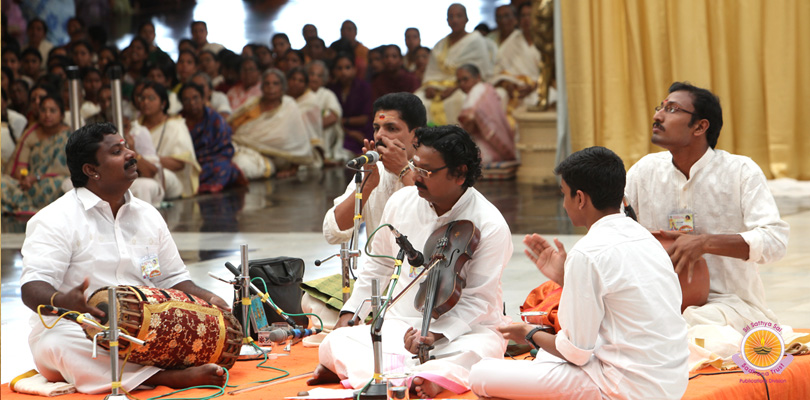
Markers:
{"x": 32, "y": 382}
{"x": 328, "y": 290}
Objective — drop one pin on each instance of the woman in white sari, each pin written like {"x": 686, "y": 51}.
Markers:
{"x": 298, "y": 88}
{"x": 331, "y": 111}
{"x": 269, "y": 133}
{"x": 172, "y": 141}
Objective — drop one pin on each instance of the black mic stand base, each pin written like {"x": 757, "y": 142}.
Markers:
{"x": 375, "y": 391}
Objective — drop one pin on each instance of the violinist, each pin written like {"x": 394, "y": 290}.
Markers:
{"x": 445, "y": 166}
{"x": 622, "y": 334}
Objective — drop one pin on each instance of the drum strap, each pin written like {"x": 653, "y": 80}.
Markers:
{"x": 138, "y": 291}
{"x": 168, "y": 296}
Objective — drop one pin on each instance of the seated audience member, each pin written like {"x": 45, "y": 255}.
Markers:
{"x": 298, "y": 88}
{"x": 309, "y": 32}
{"x": 269, "y": 133}
{"x": 36, "y": 31}
{"x": 422, "y": 58}
{"x": 215, "y": 99}
{"x": 355, "y": 99}
{"x": 81, "y": 53}
{"x": 188, "y": 45}
{"x": 517, "y": 67}
{"x": 264, "y": 55}
{"x": 209, "y": 63}
{"x": 106, "y": 55}
{"x": 375, "y": 63}
{"x": 229, "y": 69}
{"x": 199, "y": 35}
{"x": 448, "y": 166}
{"x": 413, "y": 41}
{"x": 293, "y": 59}
{"x": 34, "y": 96}
{"x": 146, "y": 31}
{"x": 250, "y": 83}
{"x": 281, "y": 45}
{"x": 69, "y": 252}
{"x": 394, "y": 77}
{"x": 317, "y": 49}
{"x": 13, "y": 128}
{"x": 714, "y": 205}
{"x": 507, "y": 21}
{"x": 331, "y": 111}
{"x": 11, "y": 59}
{"x": 622, "y": 335}
{"x": 18, "y": 94}
{"x": 91, "y": 83}
{"x": 212, "y": 142}
{"x": 186, "y": 68}
{"x": 483, "y": 116}
{"x": 348, "y": 37}
{"x": 439, "y": 91}
{"x": 137, "y": 58}
{"x": 172, "y": 142}
{"x": 38, "y": 167}
{"x": 31, "y": 64}
{"x": 163, "y": 74}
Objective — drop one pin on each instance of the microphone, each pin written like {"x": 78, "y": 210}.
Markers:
{"x": 370, "y": 157}
{"x": 279, "y": 335}
{"x": 264, "y": 296}
{"x": 81, "y": 319}
{"x": 415, "y": 258}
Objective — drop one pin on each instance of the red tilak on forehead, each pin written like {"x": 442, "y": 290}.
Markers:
{"x": 122, "y": 141}
{"x": 382, "y": 116}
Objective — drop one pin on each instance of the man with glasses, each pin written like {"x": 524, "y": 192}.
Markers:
{"x": 714, "y": 205}
{"x": 445, "y": 166}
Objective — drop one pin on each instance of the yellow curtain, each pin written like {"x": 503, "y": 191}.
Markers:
{"x": 622, "y": 55}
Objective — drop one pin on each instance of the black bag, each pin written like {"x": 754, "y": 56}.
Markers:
{"x": 283, "y": 277}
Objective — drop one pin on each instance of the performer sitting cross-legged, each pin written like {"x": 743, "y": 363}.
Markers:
{"x": 446, "y": 164}
{"x": 622, "y": 335}
{"x": 98, "y": 235}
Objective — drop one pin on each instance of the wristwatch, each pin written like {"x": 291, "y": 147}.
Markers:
{"x": 531, "y": 334}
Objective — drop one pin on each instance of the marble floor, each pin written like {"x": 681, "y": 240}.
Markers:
{"x": 283, "y": 218}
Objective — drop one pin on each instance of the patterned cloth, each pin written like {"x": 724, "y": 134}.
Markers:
{"x": 214, "y": 150}
{"x": 43, "y": 157}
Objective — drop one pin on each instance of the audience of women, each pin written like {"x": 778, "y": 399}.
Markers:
{"x": 211, "y": 136}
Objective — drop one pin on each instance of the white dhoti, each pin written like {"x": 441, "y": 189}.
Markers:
{"x": 546, "y": 377}
{"x": 348, "y": 352}
{"x": 254, "y": 165}
{"x": 66, "y": 348}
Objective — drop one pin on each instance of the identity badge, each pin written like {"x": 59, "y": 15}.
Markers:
{"x": 682, "y": 221}
{"x": 150, "y": 267}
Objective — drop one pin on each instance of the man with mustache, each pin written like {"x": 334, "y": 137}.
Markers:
{"x": 714, "y": 204}
{"x": 94, "y": 236}
{"x": 446, "y": 164}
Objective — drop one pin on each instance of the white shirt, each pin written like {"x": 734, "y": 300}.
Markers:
{"x": 728, "y": 194}
{"x": 620, "y": 312}
{"x": 76, "y": 237}
{"x": 220, "y": 103}
{"x": 481, "y": 302}
{"x": 372, "y": 207}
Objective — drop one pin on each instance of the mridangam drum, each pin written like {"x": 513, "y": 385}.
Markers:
{"x": 180, "y": 330}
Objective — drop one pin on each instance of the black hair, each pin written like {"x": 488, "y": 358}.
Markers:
{"x": 299, "y": 70}
{"x": 191, "y": 26}
{"x": 111, "y": 49}
{"x": 84, "y": 43}
{"x": 98, "y": 34}
{"x": 393, "y": 46}
{"x": 598, "y": 172}
{"x": 56, "y": 99}
{"x": 187, "y": 40}
{"x": 10, "y": 50}
{"x": 216, "y": 57}
{"x": 81, "y": 148}
{"x": 194, "y": 86}
{"x": 60, "y": 60}
{"x": 341, "y": 56}
{"x": 160, "y": 90}
{"x": 32, "y": 51}
{"x": 168, "y": 69}
{"x": 456, "y": 147}
{"x": 411, "y": 110}
{"x": 89, "y": 70}
{"x": 298, "y": 53}
{"x": 280, "y": 35}
{"x": 707, "y": 106}
{"x": 143, "y": 24}
{"x": 44, "y": 25}
{"x": 189, "y": 52}
{"x": 9, "y": 73}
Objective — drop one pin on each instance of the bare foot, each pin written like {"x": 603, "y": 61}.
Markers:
{"x": 323, "y": 375}
{"x": 287, "y": 172}
{"x": 424, "y": 388}
{"x": 208, "y": 374}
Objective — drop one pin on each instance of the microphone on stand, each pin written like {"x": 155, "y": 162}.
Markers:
{"x": 280, "y": 335}
{"x": 370, "y": 157}
{"x": 415, "y": 258}
{"x": 264, "y": 297}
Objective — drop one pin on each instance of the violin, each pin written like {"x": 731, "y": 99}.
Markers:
{"x": 450, "y": 246}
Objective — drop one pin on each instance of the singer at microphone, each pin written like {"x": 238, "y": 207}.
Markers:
{"x": 370, "y": 157}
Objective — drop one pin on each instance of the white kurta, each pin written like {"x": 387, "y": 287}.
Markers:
{"x": 728, "y": 194}
{"x": 518, "y": 62}
{"x": 372, "y": 209}
{"x": 469, "y": 327}
{"x": 74, "y": 238}
{"x": 621, "y": 326}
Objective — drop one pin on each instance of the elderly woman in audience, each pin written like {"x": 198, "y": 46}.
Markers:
{"x": 331, "y": 112}
{"x": 250, "y": 83}
{"x": 211, "y": 136}
{"x": 215, "y": 99}
{"x": 484, "y": 117}
{"x": 172, "y": 142}
{"x": 355, "y": 98}
{"x": 38, "y": 166}
{"x": 298, "y": 88}
{"x": 269, "y": 132}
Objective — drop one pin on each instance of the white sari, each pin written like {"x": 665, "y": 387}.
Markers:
{"x": 518, "y": 62}
{"x": 172, "y": 139}
{"x": 332, "y": 135}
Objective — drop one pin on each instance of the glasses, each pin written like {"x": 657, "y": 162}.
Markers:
{"x": 424, "y": 173}
{"x": 671, "y": 108}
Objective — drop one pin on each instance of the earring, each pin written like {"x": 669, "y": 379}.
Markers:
{"x": 95, "y": 176}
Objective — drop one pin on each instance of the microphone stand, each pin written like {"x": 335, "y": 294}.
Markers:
{"x": 249, "y": 351}
{"x": 377, "y": 390}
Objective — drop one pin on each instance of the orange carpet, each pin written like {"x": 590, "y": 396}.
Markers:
{"x": 791, "y": 384}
